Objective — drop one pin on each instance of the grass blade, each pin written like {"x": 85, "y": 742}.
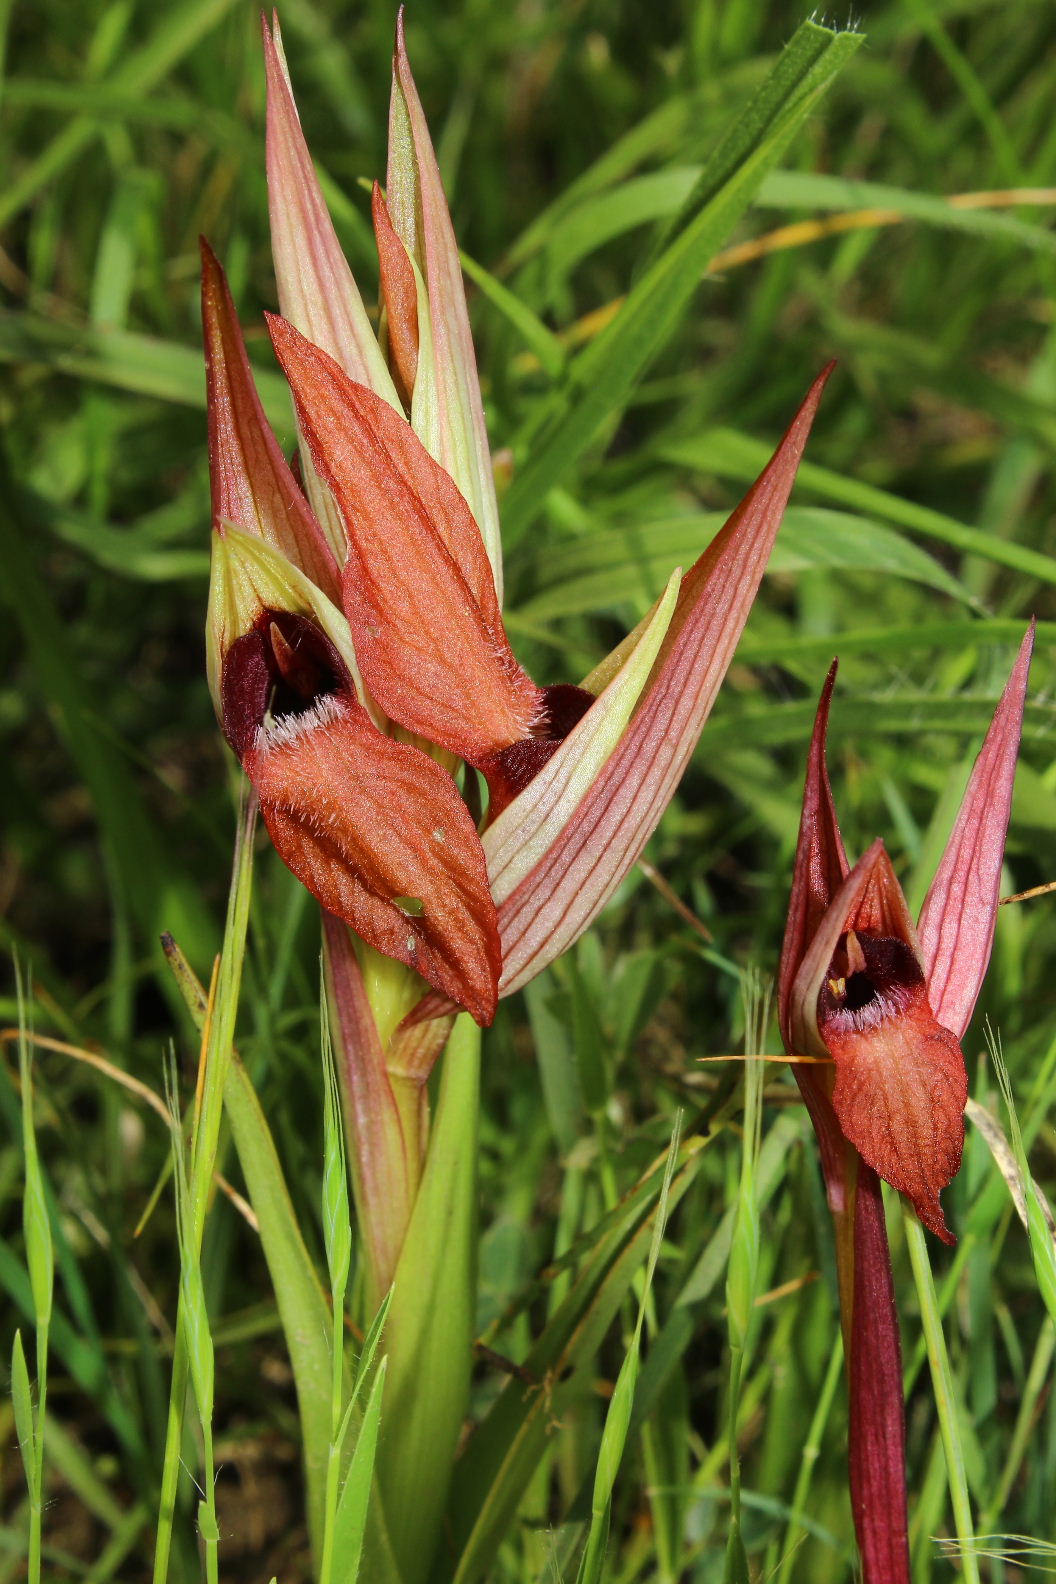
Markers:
{"x": 603, "y": 376}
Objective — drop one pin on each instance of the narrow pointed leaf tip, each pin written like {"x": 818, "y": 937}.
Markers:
{"x": 317, "y": 292}
{"x": 453, "y": 428}
{"x": 252, "y": 485}
{"x": 821, "y": 862}
{"x": 418, "y": 588}
{"x": 820, "y": 868}
{"x": 960, "y": 911}
{"x": 566, "y": 889}
{"x": 399, "y": 293}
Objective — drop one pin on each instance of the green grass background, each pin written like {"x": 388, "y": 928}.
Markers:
{"x": 920, "y": 539}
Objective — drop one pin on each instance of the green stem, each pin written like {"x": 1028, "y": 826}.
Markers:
{"x": 409, "y": 1095}
{"x": 209, "y": 1529}
{"x": 171, "y": 1465}
{"x": 429, "y": 1334}
{"x": 301, "y": 1300}
{"x": 36, "y": 1506}
{"x": 333, "y": 1462}
{"x": 945, "y": 1394}
{"x": 736, "y": 1560}
{"x": 217, "y": 1059}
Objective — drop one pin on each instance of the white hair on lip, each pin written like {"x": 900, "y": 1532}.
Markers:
{"x": 326, "y": 710}
{"x": 886, "y": 1003}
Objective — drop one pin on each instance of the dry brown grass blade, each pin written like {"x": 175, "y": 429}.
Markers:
{"x": 134, "y": 1086}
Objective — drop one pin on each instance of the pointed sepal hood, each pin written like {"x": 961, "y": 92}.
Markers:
{"x": 248, "y": 577}
{"x": 820, "y": 866}
{"x": 252, "y": 485}
{"x": 453, "y": 429}
{"x": 418, "y": 588}
{"x": 820, "y": 869}
{"x": 317, "y": 292}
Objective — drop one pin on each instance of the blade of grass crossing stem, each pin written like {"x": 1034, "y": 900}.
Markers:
{"x": 531, "y": 329}
{"x": 40, "y": 1263}
{"x": 217, "y": 1040}
{"x": 604, "y": 374}
{"x": 196, "y": 1332}
{"x": 302, "y": 1304}
{"x": 618, "y": 1418}
{"x": 1031, "y": 1406}
{"x": 743, "y": 1268}
{"x": 350, "y": 1519}
{"x": 26, "y": 1431}
{"x": 337, "y": 1241}
{"x": 1042, "y": 1248}
{"x": 946, "y": 1401}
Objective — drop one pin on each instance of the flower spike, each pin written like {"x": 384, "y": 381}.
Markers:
{"x": 857, "y": 985}
{"x": 888, "y": 1009}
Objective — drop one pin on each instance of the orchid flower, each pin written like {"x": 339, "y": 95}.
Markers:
{"x": 357, "y": 652}
{"x": 881, "y": 1006}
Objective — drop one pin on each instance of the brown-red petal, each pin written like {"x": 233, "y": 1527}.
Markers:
{"x": 399, "y": 293}
{"x": 900, "y": 1090}
{"x": 821, "y": 864}
{"x": 377, "y": 832}
{"x": 252, "y": 485}
{"x": 418, "y": 587}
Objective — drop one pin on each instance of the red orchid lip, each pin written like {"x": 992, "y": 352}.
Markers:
{"x": 378, "y": 833}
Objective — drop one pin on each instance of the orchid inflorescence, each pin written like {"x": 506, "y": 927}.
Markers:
{"x": 358, "y": 657}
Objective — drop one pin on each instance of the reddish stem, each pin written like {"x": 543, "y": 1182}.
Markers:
{"x": 877, "y": 1431}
